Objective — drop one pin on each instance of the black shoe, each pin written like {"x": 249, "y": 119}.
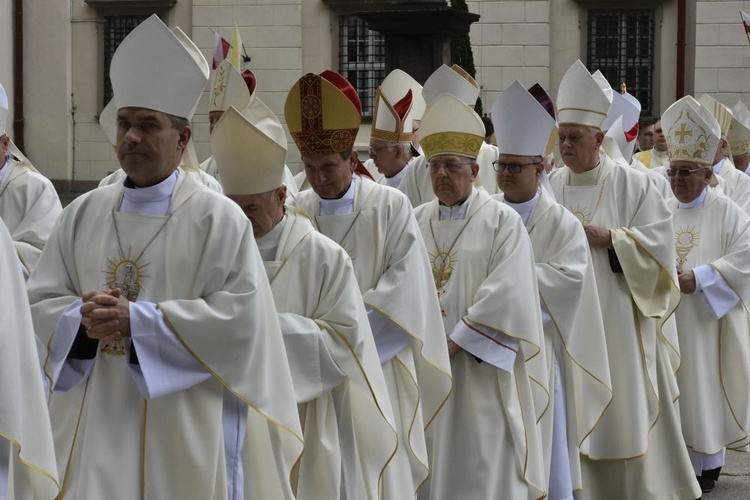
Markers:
{"x": 712, "y": 474}
{"x": 706, "y": 484}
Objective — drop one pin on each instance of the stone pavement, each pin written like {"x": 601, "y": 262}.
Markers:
{"x": 734, "y": 483}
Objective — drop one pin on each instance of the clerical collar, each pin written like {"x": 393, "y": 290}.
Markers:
{"x": 343, "y": 205}
{"x": 268, "y": 244}
{"x": 5, "y": 167}
{"x": 150, "y": 200}
{"x": 696, "y": 203}
{"x": 395, "y": 181}
{"x": 525, "y": 208}
{"x": 587, "y": 178}
{"x": 456, "y": 212}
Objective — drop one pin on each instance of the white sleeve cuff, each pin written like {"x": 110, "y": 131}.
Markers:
{"x": 164, "y": 365}
{"x": 390, "y": 339}
{"x": 488, "y": 345}
{"x": 314, "y": 372}
{"x": 715, "y": 291}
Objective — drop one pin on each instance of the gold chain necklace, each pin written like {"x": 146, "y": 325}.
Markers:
{"x": 580, "y": 212}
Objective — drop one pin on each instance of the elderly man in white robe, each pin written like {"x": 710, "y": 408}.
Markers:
{"x": 636, "y": 451}
{"x": 28, "y": 470}
{"x": 486, "y": 441}
{"x": 163, "y": 343}
{"x": 454, "y": 80}
{"x": 712, "y": 242}
{"x": 339, "y": 386}
{"x": 376, "y": 227}
{"x": 29, "y": 205}
{"x": 573, "y": 326}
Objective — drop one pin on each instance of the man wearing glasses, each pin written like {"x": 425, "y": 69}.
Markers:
{"x": 579, "y": 378}
{"x": 712, "y": 242}
{"x": 486, "y": 442}
{"x": 636, "y": 450}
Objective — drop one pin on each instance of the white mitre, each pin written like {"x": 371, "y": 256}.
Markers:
{"x": 392, "y": 118}
{"x": 250, "y": 161}
{"x": 625, "y": 106}
{"x": 398, "y": 79}
{"x": 3, "y": 110}
{"x": 601, "y": 80}
{"x": 580, "y": 100}
{"x": 108, "y": 122}
{"x": 160, "y": 69}
{"x": 522, "y": 125}
{"x": 451, "y": 127}
{"x": 229, "y": 88}
{"x": 624, "y": 149}
{"x": 451, "y": 80}
{"x": 722, "y": 113}
{"x": 739, "y": 131}
{"x": 692, "y": 132}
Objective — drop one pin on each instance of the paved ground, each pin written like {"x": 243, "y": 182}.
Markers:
{"x": 734, "y": 483}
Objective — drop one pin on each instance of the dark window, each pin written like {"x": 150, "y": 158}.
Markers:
{"x": 361, "y": 59}
{"x": 115, "y": 30}
{"x": 621, "y": 45}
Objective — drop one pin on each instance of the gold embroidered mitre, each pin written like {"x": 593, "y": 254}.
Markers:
{"x": 450, "y": 127}
{"x": 323, "y": 114}
{"x": 692, "y": 132}
{"x": 396, "y": 107}
{"x": 739, "y": 131}
{"x": 230, "y": 88}
{"x": 722, "y": 113}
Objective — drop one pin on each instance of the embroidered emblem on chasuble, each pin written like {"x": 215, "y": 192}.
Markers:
{"x": 322, "y": 132}
{"x": 685, "y": 239}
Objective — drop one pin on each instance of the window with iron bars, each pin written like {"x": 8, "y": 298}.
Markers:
{"x": 361, "y": 59}
{"x": 116, "y": 28}
{"x": 621, "y": 45}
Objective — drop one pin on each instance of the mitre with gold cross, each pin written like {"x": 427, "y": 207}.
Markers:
{"x": 692, "y": 132}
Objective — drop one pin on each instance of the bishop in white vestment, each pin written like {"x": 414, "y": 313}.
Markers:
{"x": 486, "y": 442}
{"x": 347, "y": 418}
{"x": 636, "y": 451}
{"x": 573, "y": 327}
{"x": 712, "y": 243}
{"x": 29, "y": 205}
{"x": 160, "y": 327}
{"x": 376, "y": 227}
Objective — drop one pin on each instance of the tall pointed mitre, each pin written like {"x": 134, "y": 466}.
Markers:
{"x": 739, "y": 131}
{"x": 692, "y": 132}
{"x": 249, "y": 160}
{"x": 450, "y": 127}
{"x": 722, "y": 113}
{"x": 392, "y": 118}
{"x": 543, "y": 98}
{"x": 580, "y": 100}
{"x": 160, "y": 69}
{"x": 108, "y": 122}
{"x": 451, "y": 80}
{"x": 601, "y": 80}
{"x": 3, "y": 110}
{"x": 624, "y": 114}
{"x": 230, "y": 88}
{"x": 522, "y": 125}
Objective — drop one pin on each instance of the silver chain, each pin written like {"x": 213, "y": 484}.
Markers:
{"x": 119, "y": 243}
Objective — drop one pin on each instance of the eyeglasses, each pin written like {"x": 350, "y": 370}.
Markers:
{"x": 683, "y": 172}
{"x": 451, "y": 167}
{"x": 374, "y": 151}
{"x": 513, "y": 168}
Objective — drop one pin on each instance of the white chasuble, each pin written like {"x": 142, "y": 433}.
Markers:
{"x": 201, "y": 268}
{"x": 29, "y": 207}
{"x": 574, "y": 334}
{"x": 393, "y": 273}
{"x": 636, "y": 450}
{"x": 736, "y": 184}
{"x": 486, "y": 441}
{"x": 27, "y": 466}
{"x": 715, "y": 375}
{"x": 347, "y": 424}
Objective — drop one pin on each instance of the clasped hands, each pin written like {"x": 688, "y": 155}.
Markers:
{"x": 598, "y": 237}
{"x": 105, "y": 314}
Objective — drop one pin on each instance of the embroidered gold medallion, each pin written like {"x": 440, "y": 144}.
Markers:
{"x": 684, "y": 241}
{"x": 126, "y": 273}
{"x": 581, "y": 214}
{"x": 443, "y": 264}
